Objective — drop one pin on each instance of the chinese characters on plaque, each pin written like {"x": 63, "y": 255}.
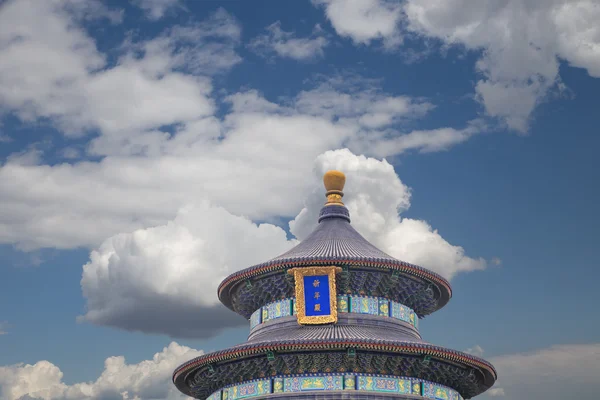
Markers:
{"x": 316, "y": 298}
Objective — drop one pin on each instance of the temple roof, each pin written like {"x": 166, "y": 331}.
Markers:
{"x": 334, "y": 237}
{"x": 465, "y": 373}
{"x": 333, "y": 332}
{"x": 335, "y": 241}
{"x": 370, "y": 344}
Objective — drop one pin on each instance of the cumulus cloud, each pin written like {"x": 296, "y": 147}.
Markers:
{"x": 376, "y": 197}
{"x": 253, "y": 162}
{"x": 154, "y": 279}
{"x": 51, "y": 69}
{"x": 158, "y": 142}
{"x": 257, "y": 148}
{"x": 558, "y": 372}
{"x": 285, "y": 44}
{"x": 521, "y": 43}
{"x": 149, "y": 379}
{"x": 365, "y": 21}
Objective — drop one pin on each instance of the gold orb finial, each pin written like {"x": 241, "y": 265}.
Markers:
{"x": 334, "y": 184}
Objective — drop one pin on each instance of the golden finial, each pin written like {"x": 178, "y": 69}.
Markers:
{"x": 334, "y": 184}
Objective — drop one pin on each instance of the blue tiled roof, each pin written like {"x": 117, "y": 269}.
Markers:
{"x": 334, "y": 332}
{"x": 335, "y": 238}
{"x": 335, "y": 242}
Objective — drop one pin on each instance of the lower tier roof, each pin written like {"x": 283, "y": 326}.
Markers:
{"x": 206, "y": 374}
{"x": 292, "y": 331}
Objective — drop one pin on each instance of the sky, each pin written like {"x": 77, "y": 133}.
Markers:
{"x": 150, "y": 148}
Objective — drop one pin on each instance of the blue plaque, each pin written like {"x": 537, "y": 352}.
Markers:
{"x": 316, "y": 296}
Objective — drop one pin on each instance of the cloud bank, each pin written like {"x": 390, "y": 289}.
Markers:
{"x": 149, "y": 133}
{"x": 520, "y": 44}
{"x": 153, "y": 279}
{"x": 147, "y": 380}
{"x": 558, "y": 372}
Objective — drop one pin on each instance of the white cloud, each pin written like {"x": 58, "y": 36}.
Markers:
{"x": 495, "y": 392}
{"x": 476, "y": 350}
{"x": 51, "y": 69}
{"x": 375, "y": 198}
{"x": 557, "y": 372}
{"x": 368, "y": 108}
{"x": 44, "y": 56}
{"x": 364, "y": 21}
{"x": 425, "y": 141}
{"x": 521, "y": 43}
{"x": 254, "y": 161}
{"x": 159, "y": 142}
{"x": 284, "y": 44}
{"x": 259, "y": 147}
{"x": 206, "y": 47}
{"x": 153, "y": 279}
{"x": 156, "y": 9}
{"x": 70, "y": 153}
{"x": 149, "y": 379}
{"x": 3, "y": 327}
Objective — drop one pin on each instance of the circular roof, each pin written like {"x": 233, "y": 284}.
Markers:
{"x": 335, "y": 241}
{"x": 468, "y": 374}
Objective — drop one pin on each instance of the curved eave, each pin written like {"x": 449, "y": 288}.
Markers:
{"x": 407, "y": 348}
{"x": 283, "y": 264}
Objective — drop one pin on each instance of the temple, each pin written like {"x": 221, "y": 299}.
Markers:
{"x": 335, "y": 318}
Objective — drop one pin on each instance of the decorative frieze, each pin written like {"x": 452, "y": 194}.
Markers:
{"x": 247, "y": 390}
{"x": 345, "y": 304}
{"x": 328, "y": 382}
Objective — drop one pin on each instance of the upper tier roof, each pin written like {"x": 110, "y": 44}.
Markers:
{"x": 335, "y": 242}
{"x": 334, "y": 237}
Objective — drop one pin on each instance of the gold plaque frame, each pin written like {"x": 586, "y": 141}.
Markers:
{"x": 299, "y": 274}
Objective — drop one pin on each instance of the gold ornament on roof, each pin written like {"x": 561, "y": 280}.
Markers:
{"x": 334, "y": 184}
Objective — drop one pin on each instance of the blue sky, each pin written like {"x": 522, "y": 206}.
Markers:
{"x": 164, "y": 144}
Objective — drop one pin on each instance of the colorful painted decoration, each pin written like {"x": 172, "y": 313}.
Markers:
{"x": 345, "y": 303}
{"x": 342, "y": 303}
{"x": 349, "y": 382}
{"x": 249, "y": 389}
{"x": 255, "y": 319}
{"x": 327, "y": 382}
{"x": 278, "y": 385}
{"x": 310, "y": 383}
{"x": 364, "y": 305}
{"x": 384, "y": 307}
{"x": 433, "y": 391}
{"x": 215, "y": 396}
